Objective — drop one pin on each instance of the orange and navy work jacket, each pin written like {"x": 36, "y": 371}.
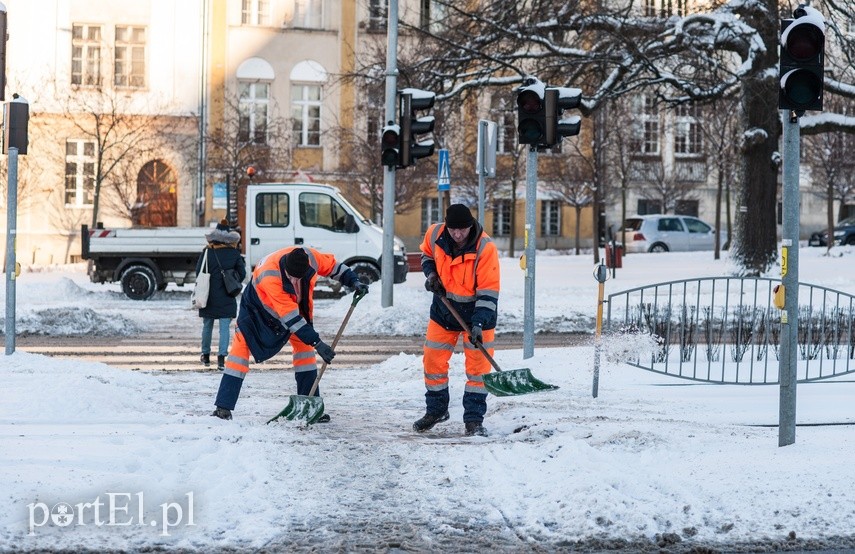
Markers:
{"x": 469, "y": 274}
{"x": 269, "y": 310}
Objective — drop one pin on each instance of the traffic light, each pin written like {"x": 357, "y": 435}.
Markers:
{"x": 556, "y": 100}
{"x": 390, "y": 145}
{"x": 531, "y": 112}
{"x": 801, "y": 69}
{"x": 412, "y": 101}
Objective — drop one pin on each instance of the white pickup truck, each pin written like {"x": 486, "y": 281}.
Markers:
{"x": 145, "y": 260}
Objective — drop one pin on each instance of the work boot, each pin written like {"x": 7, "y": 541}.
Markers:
{"x": 428, "y": 421}
{"x": 475, "y": 428}
{"x": 221, "y": 363}
{"x": 324, "y": 419}
{"x": 222, "y": 413}
{"x": 205, "y": 359}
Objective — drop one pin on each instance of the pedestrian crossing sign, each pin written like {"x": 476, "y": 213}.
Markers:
{"x": 444, "y": 170}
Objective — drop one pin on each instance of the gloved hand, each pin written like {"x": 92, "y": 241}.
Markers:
{"x": 434, "y": 285}
{"x": 476, "y": 334}
{"x": 360, "y": 289}
{"x": 324, "y": 351}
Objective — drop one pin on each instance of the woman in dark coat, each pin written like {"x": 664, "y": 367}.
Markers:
{"x": 223, "y": 253}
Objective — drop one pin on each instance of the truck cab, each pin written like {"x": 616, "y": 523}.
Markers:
{"x": 318, "y": 216}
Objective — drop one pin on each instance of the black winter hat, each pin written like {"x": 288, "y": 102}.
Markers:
{"x": 458, "y": 216}
{"x": 297, "y": 263}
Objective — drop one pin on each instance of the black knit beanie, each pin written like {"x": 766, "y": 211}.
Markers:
{"x": 297, "y": 263}
{"x": 458, "y": 216}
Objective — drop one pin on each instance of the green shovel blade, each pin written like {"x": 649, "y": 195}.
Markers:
{"x": 514, "y": 382}
{"x": 310, "y": 408}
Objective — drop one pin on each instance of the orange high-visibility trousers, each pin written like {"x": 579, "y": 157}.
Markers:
{"x": 439, "y": 346}
{"x": 237, "y": 362}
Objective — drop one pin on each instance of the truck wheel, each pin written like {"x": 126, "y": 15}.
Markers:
{"x": 138, "y": 282}
{"x": 366, "y": 272}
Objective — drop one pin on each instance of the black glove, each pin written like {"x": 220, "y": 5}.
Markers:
{"x": 360, "y": 289}
{"x": 324, "y": 351}
{"x": 434, "y": 285}
{"x": 476, "y": 334}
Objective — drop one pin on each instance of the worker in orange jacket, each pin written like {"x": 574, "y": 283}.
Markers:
{"x": 276, "y": 307}
{"x": 461, "y": 263}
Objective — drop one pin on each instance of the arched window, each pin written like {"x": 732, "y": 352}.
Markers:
{"x": 254, "y": 78}
{"x": 157, "y": 192}
{"x": 307, "y": 79}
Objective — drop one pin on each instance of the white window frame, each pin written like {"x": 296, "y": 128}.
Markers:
{"x": 502, "y": 218}
{"x": 249, "y": 106}
{"x": 688, "y": 137}
{"x": 430, "y": 212}
{"x": 651, "y": 135}
{"x": 80, "y": 176}
{"x": 130, "y": 72}
{"x": 300, "y": 115}
{"x": 90, "y": 55}
{"x": 550, "y": 218}
{"x": 308, "y": 14}
{"x": 378, "y": 14}
{"x": 255, "y": 12}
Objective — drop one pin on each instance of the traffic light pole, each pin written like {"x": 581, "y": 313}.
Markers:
{"x": 790, "y": 280}
{"x": 530, "y": 249}
{"x": 387, "y": 263}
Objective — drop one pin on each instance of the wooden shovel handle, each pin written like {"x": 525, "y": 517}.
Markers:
{"x": 356, "y": 298}
{"x": 466, "y": 330}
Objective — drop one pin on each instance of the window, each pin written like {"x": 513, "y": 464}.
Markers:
{"x": 431, "y": 15}
{"x": 272, "y": 209}
{"x": 670, "y": 224}
{"x": 430, "y": 213}
{"x": 550, "y": 218}
{"x": 503, "y": 113}
{"x": 688, "y": 139}
{"x": 86, "y": 55}
{"x": 646, "y": 207}
{"x": 322, "y": 210}
{"x": 378, "y": 14}
{"x": 255, "y": 12}
{"x": 687, "y": 207}
{"x": 254, "y": 104}
{"x": 308, "y": 14}
{"x": 501, "y": 218}
{"x": 648, "y": 141}
{"x": 697, "y": 226}
{"x": 79, "y": 172}
{"x": 306, "y": 114}
{"x": 130, "y": 57}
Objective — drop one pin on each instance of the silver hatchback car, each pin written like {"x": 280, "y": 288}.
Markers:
{"x": 668, "y": 233}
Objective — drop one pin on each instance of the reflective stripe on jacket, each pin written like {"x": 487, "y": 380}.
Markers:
{"x": 269, "y": 311}
{"x": 470, "y": 276}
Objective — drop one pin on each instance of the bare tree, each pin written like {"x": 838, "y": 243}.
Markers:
{"x": 576, "y": 189}
{"x": 664, "y": 187}
{"x": 614, "y": 50}
{"x": 120, "y": 135}
{"x": 833, "y": 171}
{"x": 236, "y": 145}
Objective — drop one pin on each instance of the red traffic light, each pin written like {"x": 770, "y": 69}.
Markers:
{"x": 803, "y": 41}
{"x": 389, "y": 146}
{"x": 529, "y": 101}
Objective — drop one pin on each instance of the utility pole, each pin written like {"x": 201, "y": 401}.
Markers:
{"x": 387, "y": 265}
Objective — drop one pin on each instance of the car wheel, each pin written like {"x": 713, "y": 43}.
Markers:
{"x": 366, "y": 272}
{"x": 138, "y": 282}
{"x": 851, "y": 241}
{"x": 658, "y": 247}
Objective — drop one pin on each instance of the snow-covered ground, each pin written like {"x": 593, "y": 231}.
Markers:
{"x": 652, "y": 460}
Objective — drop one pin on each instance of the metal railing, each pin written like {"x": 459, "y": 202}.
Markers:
{"x": 727, "y": 329}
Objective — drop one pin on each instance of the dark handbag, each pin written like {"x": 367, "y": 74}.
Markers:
{"x": 231, "y": 281}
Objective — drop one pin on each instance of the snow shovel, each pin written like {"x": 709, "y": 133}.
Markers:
{"x": 502, "y": 383}
{"x": 311, "y": 407}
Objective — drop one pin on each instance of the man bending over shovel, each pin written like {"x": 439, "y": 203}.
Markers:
{"x": 276, "y": 308}
{"x": 461, "y": 264}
